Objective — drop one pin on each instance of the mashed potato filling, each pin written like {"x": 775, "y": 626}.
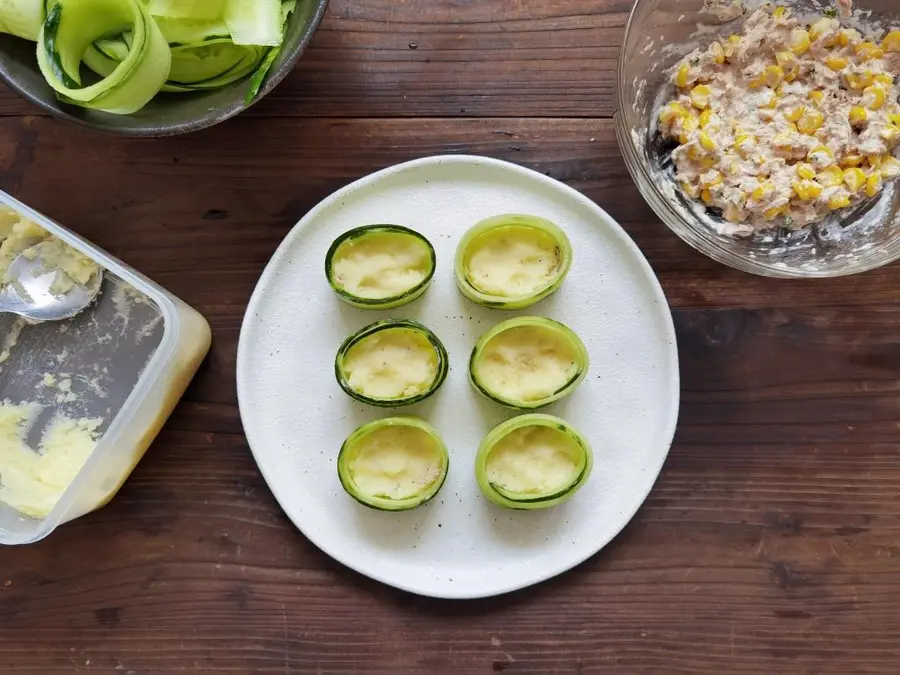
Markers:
{"x": 391, "y": 363}
{"x": 527, "y": 363}
{"x": 786, "y": 122}
{"x": 513, "y": 261}
{"x": 534, "y": 461}
{"x": 32, "y": 481}
{"x": 395, "y": 462}
{"x": 21, "y": 236}
{"x": 381, "y": 265}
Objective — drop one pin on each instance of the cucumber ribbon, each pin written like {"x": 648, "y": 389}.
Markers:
{"x": 70, "y": 29}
{"x": 138, "y": 48}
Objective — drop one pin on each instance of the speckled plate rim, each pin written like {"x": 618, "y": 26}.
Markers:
{"x": 273, "y": 269}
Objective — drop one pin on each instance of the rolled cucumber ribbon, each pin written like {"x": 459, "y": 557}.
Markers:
{"x": 22, "y": 18}
{"x": 71, "y": 28}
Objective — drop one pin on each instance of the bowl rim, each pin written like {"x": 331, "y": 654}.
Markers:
{"x": 216, "y": 116}
{"x": 658, "y": 202}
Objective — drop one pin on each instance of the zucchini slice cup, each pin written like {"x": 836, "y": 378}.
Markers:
{"x": 393, "y": 464}
{"x": 380, "y": 266}
{"x": 391, "y": 363}
{"x": 532, "y": 462}
{"x": 528, "y": 362}
{"x": 512, "y": 261}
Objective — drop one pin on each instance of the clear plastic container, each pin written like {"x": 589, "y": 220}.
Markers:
{"x": 127, "y": 360}
{"x": 659, "y": 33}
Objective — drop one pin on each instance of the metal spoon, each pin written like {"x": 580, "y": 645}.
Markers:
{"x": 28, "y": 292}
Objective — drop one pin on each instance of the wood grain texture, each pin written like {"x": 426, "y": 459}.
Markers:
{"x": 766, "y": 547}
{"x": 475, "y": 58}
{"x": 130, "y": 197}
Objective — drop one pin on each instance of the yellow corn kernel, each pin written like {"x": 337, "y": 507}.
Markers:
{"x": 717, "y": 52}
{"x": 891, "y": 42}
{"x": 695, "y": 152}
{"x": 781, "y": 13}
{"x": 783, "y": 140}
{"x": 836, "y": 63}
{"x": 786, "y": 59}
{"x": 700, "y": 96}
{"x": 843, "y": 38}
{"x": 709, "y": 119}
{"x": 706, "y": 163}
{"x": 774, "y": 212}
{"x": 858, "y": 116}
{"x": 730, "y": 44}
{"x": 885, "y": 78}
{"x": 816, "y": 96}
{"x": 822, "y": 27}
{"x": 811, "y": 122}
{"x": 757, "y": 81}
{"x": 807, "y": 189}
{"x": 711, "y": 179}
{"x": 744, "y": 144}
{"x": 874, "y": 183}
{"x": 831, "y": 177}
{"x": 689, "y": 125}
{"x": 690, "y": 190}
{"x": 707, "y": 143}
{"x": 821, "y": 156}
{"x": 855, "y": 179}
{"x": 671, "y": 112}
{"x": 860, "y": 80}
{"x": 875, "y": 161}
{"x": 799, "y": 41}
{"x": 707, "y": 197}
{"x": 772, "y": 102}
{"x": 763, "y": 191}
{"x": 805, "y": 170}
{"x": 792, "y": 74}
{"x": 682, "y": 75}
{"x": 869, "y": 51}
{"x": 774, "y": 76}
{"x": 794, "y": 113}
{"x": 894, "y": 118}
{"x": 890, "y": 167}
{"x": 890, "y": 133}
{"x": 849, "y": 161}
{"x": 836, "y": 202}
{"x": 873, "y": 97}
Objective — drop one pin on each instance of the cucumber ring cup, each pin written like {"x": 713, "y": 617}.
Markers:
{"x": 492, "y": 238}
{"x": 492, "y": 363}
{"x": 399, "y": 340}
{"x": 383, "y": 240}
{"x": 404, "y": 482}
{"x": 495, "y": 456}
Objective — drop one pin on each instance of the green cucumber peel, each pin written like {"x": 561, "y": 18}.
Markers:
{"x": 22, "y": 18}
{"x": 71, "y": 28}
{"x": 196, "y": 10}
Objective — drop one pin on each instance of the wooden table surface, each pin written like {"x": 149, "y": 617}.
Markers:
{"x": 767, "y": 545}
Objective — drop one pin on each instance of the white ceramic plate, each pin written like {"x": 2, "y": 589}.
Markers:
{"x": 459, "y": 545}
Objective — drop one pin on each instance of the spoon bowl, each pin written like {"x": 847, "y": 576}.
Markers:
{"x": 28, "y": 292}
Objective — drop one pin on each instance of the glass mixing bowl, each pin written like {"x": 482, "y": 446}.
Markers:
{"x": 659, "y": 33}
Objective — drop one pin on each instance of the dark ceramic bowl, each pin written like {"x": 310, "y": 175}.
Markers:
{"x": 166, "y": 114}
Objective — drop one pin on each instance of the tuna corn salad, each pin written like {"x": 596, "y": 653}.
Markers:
{"x": 786, "y": 122}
